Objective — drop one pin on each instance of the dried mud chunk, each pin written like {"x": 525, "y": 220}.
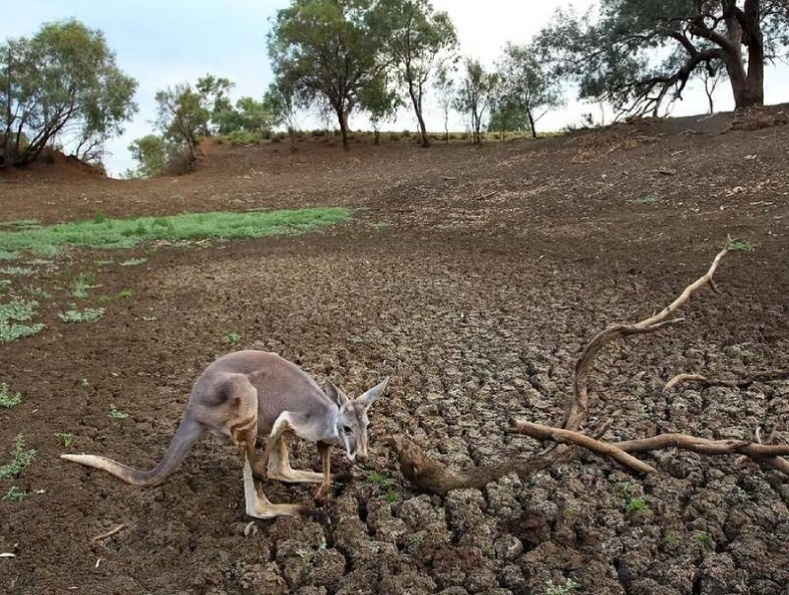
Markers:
{"x": 719, "y": 576}
{"x": 385, "y": 526}
{"x": 467, "y": 519}
{"x": 261, "y": 578}
{"x": 325, "y": 568}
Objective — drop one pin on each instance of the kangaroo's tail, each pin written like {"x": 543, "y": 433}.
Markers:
{"x": 187, "y": 434}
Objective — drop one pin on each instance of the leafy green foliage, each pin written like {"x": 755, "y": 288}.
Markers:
{"x": 77, "y": 316}
{"x": 327, "y": 51}
{"x": 9, "y": 399}
{"x": 742, "y": 246}
{"x": 11, "y": 314}
{"x": 444, "y": 85}
{"x": 151, "y": 152}
{"x": 20, "y": 459}
{"x": 83, "y": 282}
{"x": 14, "y": 494}
{"x": 637, "y": 54}
{"x": 475, "y": 93}
{"x": 62, "y": 85}
{"x": 67, "y": 439}
{"x": 567, "y": 588}
{"x": 116, "y": 413}
{"x": 417, "y": 40}
{"x": 525, "y": 93}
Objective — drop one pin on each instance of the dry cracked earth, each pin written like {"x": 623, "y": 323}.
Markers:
{"x": 472, "y": 277}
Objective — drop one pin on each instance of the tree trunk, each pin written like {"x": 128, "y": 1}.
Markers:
{"x": 342, "y": 116}
{"x": 416, "y": 99}
{"x": 747, "y": 87}
{"x": 531, "y": 123}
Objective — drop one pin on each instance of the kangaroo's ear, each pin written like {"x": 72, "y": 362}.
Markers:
{"x": 334, "y": 393}
{"x": 371, "y": 395}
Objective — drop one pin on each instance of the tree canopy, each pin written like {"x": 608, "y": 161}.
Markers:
{"x": 61, "y": 87}
{"x": 635, "y": 54}
{"x": 327, "y": 50}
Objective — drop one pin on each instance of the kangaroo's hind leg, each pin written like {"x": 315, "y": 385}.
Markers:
{"x": 242, "y": 425}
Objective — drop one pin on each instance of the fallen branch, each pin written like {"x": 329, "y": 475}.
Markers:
{"x": 766, "y": 376}
{"x": 109, "y": 533}
{"x": 431, "y": 476}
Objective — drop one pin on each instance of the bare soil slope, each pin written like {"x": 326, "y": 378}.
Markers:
{"x": 471, "y": 276}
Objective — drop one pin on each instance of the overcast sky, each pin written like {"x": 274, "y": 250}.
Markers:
{"x": 161, "y": 43}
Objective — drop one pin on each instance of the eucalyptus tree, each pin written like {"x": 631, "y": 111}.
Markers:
{"x": 418, "y": 40}
{"x": 635, "y": 54}
{"x": 328, "y": 51}
{"x": 61, "y": 87}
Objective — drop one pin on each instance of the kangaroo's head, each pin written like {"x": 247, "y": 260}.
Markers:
{"x": 352, "y": 420}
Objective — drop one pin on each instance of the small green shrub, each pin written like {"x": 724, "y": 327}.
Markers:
{"x": 233, "y": 338}
{"x": 20, "y": 459}
{"x": 742, "y": 246}
{"x": 67, "y": 439}
{"x": 133, "y": 262}
{"x": 17, "y": 271}
{"x": 647, "y": 199}
{"x": 634, "y": 505}
{"x": 8, "y": 399}
{"x": 125, "y": 294}
{"x": 14, "y": 494}
{"x": 116, "y": 413}
{"x": 569, "y": 587}
{"x": 77, "y": 316}
{"x": 11, "y": 314}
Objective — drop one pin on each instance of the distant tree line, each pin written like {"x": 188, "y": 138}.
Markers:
{"x": 62, "y": 87}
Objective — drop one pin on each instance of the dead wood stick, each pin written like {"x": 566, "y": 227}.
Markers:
{"x": 109, "y": 533}
{"x": 541, "y": 432}
{"x": 765, "y": 376}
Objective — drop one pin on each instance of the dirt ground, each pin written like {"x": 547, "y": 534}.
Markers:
{"x": 472, "y": 277}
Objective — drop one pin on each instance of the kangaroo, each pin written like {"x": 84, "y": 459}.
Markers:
{"x": 249, "y": 392}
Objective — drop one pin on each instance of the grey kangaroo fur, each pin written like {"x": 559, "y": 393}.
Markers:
{"x": 246, "y": 393}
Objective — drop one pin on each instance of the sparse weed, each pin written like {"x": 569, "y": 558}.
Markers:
{"x": 116, "y": 413}
{"x": 17, "y": 271}
{"x": 232, "y": 338}
{"x": 8, "y": 399}
{"x": 83, "y": 283}
{"x": 84, "y": 383}
{"x": 99, "y": 217}
{"x": 77, "y": 316}
{"x": 125, "y": 294}
{"x": 569, "y": 587}
{"x": 20, "y": 458}
{"x": 39, "y": 293}
{"x": 742, "y": 246}
{"x": 634, "y": 505}
{"x": 704, "y": 538}
{"x": 67, "y": 439}
{"x": 104, "y": 298}
{"x": 670, "y": 537}
{"x": 14, "y": 494}
{"x": 8, "y": 255}
{"x": 5, "y": 285}
{"x": 647, "y": 199}
{"x": 133, "y": 262}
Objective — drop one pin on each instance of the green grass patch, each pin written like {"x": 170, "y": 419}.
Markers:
{"x": 20, "y": 458}
{"x": 647, "y": 199}
{"x": 127, "y": 233}
{"x": 6, "y": 255}
{"x": 742, "y": 246}
{"x": 20, "y": 224}
{"x": 13, "y": 313}
{"x": 17, "y": 271}
{"x": 9, "y": 399}
{"x": 77, "y": 316}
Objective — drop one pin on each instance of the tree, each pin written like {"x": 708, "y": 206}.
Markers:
{"x": 281, "y": 103}
{"x": 505, "y": 115}
{"x": 381, "y": 103}
{"x": 418, "y": 39}
{"x": 182, "y": 117}
{"x": 634, "y": 53}
{"x": 475, "y": 94}
{"x": 444, "y": 86}
{"x": 151, "y": 152}
{"x": 524, "y": 86}
{"x": 61, "y": 86}
{"x": 326, "y": 50}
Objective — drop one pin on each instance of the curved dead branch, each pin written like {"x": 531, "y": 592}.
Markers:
{"x": 431, "y": 476}
{"x": 766, "y": 376}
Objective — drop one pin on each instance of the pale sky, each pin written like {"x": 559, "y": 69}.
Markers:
{"x": 161, "y": 43}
